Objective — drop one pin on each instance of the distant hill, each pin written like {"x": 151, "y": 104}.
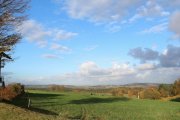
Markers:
{"x": 143, "y": 85}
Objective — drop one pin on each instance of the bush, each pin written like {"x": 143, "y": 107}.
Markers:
{"x": 165, "y": 90}
{"x": 150, "y": 93}
{"x": 130, "y": 93}
{"x": 56, "y": 88}
{"x": 176, "y": 87}
{"x": 133, "y": 92}
{"x": 117, "y": 92}
{"x": 11, "y": 92}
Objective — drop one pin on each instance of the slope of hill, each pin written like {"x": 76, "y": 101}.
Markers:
{"x": 48, "y": 105}
{"x": 11, "y": 112}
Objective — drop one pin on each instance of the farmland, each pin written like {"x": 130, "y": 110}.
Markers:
{"x": 83, "y": 105}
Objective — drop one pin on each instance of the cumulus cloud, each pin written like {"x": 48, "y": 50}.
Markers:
{"x": 99, "y": 10}
{"x": 90, "y": 73}
{"x": 150, "y": 9}
{"x": 34, "y": 31}
{"x": 146, "y": 66}
{"x": 117, "y": 10}
{"x": 122, "y": 69}
{"x": 88, "y": 68}
{"x": 170, "y": 57}
{"x": 91, "y": 70}
{"x": 144, "y": 55}
{"x": 156, "y": 29}
{"x": 63, "y": 35}
{"x": 124, "y": 11}
{"x": 174, "y": 25}
{"x": 125, "y": 73}
{"x": 60, "y": 48}
{"x": 159, "y": 75}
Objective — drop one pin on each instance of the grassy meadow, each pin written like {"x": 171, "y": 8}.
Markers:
{"x": 48, "y": 105}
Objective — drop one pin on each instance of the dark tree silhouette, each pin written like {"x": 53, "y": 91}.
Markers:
{"x": 11, "y": 16}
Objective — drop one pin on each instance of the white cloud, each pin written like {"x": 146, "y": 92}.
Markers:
{"x": 60, "y": 48}
{"x": 88, "y": 67}
{"x": 135, "y": 17}
{"x": 174, "y": 25}
{"x": 158, "y": 75}
{"x": 63, "y": 35}
{"x": 36, "y": 32}
{"x": 99, "y": 10}
{"x": 116, "y": 71}
{"x": 150, "y": 10}
{"x": 105, "y": 12}
{"x": 146, "y": 66}
{"x": 156, "y": 29}
{"x": 90, "y": 73}
{"x": 143, "y": 75}
{"x": 122, "y": 69}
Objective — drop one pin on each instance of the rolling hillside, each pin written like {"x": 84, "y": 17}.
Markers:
{"x": 84, "y": 106}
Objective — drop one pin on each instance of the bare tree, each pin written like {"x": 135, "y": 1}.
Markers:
{"x": 11, "y": 16}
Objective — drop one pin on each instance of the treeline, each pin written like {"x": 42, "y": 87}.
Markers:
{"x": 151, "y": 92}
{"x": 61, "y": 88}
{"x": 162, "y": 91}
{"x": 14, "y": 91}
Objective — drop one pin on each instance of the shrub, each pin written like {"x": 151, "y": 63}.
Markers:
{"x": 165, "y": 90}
{"x": 117, "y": 92}
{"x": 176, "y": 87}
{"x": 133, "y": 92}
{"x": 56, "y": 88}
{"x": 11, "y": 92}
{"x": 150, "y": 93}
{"x": 130, "y": 93}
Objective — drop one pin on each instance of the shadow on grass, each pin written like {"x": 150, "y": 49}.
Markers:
{"x": 99, "y": 100}
{"x": 23, "y": 102}
{"x": 45, "y": 99}
{"x": 42, "y": 111}
{"x": 43, "y": 95}
{"x": 175, "y": 99}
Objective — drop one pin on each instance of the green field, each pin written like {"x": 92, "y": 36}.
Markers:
{"x": 68, "y": 105}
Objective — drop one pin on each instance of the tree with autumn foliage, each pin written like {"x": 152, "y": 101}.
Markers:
{"x": 176, "y": 87}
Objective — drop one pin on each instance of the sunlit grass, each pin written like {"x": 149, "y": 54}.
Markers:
{"x": 69, "y": 105}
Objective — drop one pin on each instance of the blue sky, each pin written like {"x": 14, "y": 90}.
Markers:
{"x": 102, "y": 42}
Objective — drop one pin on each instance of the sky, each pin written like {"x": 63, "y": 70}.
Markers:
{"x": 98, "y": 42}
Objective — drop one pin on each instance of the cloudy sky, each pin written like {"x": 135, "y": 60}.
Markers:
{"x": 98, "y": 42}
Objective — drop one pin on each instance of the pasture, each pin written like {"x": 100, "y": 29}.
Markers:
{"x": 48, "y": 105}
